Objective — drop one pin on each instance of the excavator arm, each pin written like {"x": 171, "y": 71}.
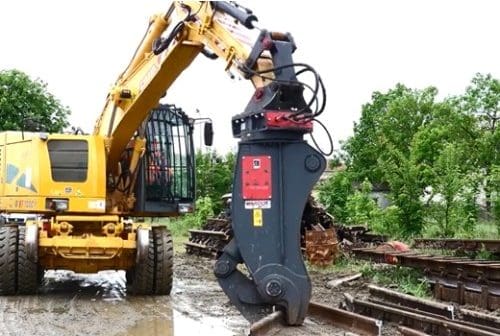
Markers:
{"x": 276, "y": 169}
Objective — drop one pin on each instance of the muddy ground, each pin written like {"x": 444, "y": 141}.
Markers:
{"x": 73, "y": 304}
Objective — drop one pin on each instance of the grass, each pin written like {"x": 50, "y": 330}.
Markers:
{"x": 179, "y": 247}
{"x": 482, "y": 230}
{"x": 486, "y": 230}
{"x": 341, "y": 266}
{"x": 405, "y": 280}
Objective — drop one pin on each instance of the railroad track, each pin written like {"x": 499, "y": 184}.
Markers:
{"x": 386, "y": 309}
{"x": 461, "y": 245}
{"x": 457, "y": 279}
{"x": 422, "y": 317}
{"x": 339, "y": 318}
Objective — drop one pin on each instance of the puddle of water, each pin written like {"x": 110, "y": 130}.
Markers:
{"x": 68, "y": 295}
{"x": 177, "y": 324}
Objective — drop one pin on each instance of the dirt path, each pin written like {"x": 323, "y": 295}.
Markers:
{"x": 73, "y": 304}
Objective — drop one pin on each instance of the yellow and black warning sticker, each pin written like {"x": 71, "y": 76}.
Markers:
{"x": 257, "y": 217}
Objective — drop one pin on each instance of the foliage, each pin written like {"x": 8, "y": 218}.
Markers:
{"x": 214, "y": 176}
{"x": 382, "y": 150}
{"x": 333, "y": 194}
{"x": 435, "y": 158}
{"x": 454, "y": 211}
{"x": 481, "y": 101}
{"x": 388, "y": 222}
{"x": 180, "y": 226}
{"x": 407, "y": 280}
{"x": 26, "y": 104}
{"x": 361, "y": 208}
{"x": 495, "y": 184}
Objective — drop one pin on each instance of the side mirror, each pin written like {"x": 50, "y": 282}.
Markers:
{"x": 208, "y": 133}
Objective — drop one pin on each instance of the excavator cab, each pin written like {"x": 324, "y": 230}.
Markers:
{"x": 165, "y": 182}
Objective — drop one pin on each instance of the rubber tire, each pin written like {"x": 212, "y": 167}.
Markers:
{"x": 27, "y": 270}
{"x": 154, "y": 276}
{"x": 8, "y": 260}
{"x": 129, "y": 276}
{"x": 164, "y": 253}
{"x": 143, "y": 277}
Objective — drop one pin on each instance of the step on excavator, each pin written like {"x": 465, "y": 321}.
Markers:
{"x": 86, "y": 190}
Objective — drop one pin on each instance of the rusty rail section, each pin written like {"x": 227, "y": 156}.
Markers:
{"x": 460, "y": 280}
{"x": 411, "y": 332}
{"x": 427, "y": 323}
{"x": 339, "y": 318}
{"x": 466, "y": 245}
{"x": 410, "y": 303}
{"x": 479, "y": 318}
{"x": 486, "y": 295}
{"x": 463, "y": 268}
{"x": 268, "y": 325}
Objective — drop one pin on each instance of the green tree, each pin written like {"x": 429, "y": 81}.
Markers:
{"x": 361, "y": 208}
{"x": 481, "y": 100}
{"x": 382, "y": 149}
{"x": 26, "y": 104}
{"x": 451, "y": 183}
{"x": 333, "y": 194}
{"x": 404, "y": 176}
{"x": 214, "y": 176}
{"x": 495, "y": 179}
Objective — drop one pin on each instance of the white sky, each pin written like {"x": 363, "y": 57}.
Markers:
{"x": 358, "y": 47}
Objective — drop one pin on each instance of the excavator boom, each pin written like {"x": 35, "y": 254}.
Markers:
{"x": 275, "y": 170}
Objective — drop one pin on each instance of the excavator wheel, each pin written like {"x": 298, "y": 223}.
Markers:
{"x": 8, "y": 257}
{"x": 28, "y": 274}
{"x": 154, "y": 275}
{"x": 164, "y": 270}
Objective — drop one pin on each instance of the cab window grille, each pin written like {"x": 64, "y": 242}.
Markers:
{"x": 169, "y": 156}
{"x": 68, "y": 160}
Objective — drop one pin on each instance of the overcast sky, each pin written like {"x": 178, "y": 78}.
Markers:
{"x": 80, "y": 47}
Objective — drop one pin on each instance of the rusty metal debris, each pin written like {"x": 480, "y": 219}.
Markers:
{"x": 321, "y": 237}
{"x": 321, "y": 246}
{"x": 211, "y": 239}
{"x": 318, "y": 235}
{"x": 337, "y": 282}
{"x": 358, "y": 236}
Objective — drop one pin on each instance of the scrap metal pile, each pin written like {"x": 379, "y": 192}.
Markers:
{"x": 320, "y": 235}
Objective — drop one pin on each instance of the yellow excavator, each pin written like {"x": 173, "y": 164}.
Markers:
{"x": 86, "y": 190}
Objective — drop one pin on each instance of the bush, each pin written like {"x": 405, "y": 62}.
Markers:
{"x": 387, "y": 222}
{"x": 361, "y": 208}
{"x": 181, "y": 225}
{"x": 333, "y": 195}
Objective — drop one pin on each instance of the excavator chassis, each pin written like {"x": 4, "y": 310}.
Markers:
{"x": 85, "y": 244}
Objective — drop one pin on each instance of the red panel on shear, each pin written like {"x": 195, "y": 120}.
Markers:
{"x": 256, "y": 177}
